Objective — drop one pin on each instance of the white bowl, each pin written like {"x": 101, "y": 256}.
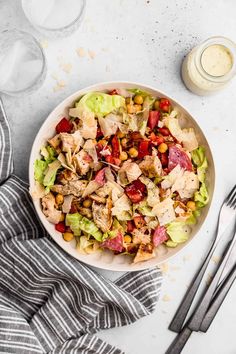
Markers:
{"x": 106, "y": 259}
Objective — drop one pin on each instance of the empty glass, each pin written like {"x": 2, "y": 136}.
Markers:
{"x": 54, "y": 18}
{"x": 22, "y": 63}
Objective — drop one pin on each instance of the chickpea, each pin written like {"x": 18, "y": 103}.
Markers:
{"x": 87, "y": 203}
{"x": 133, "y": 152}
{"x": 156, "y": 105}
{"x": 127, "y": 239}
{"x": 62, "y": 217}
{"x": 191, "y": 205}
{"x": 137, "y": 108}
{"x": 124, "y": 142}
{"x": 59, "y": 199}
{"x": 163, "y": 147}
{"x": 130, "y": 108}
{"x": 120, "y": 135}
{"x": 68, "y": 236}
{"x": 123, "y": 156}
{"x": 138, "y": 99}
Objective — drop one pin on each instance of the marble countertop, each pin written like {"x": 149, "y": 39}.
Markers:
{"x": 143, "y": 41}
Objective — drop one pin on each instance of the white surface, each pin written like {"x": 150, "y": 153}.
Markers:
{"x": 144, "y": 41}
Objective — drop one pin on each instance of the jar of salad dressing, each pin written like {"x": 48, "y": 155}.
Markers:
{"x": 209, "y": 66}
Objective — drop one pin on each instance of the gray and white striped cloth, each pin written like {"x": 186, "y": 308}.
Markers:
{"x": 50, "y": 302}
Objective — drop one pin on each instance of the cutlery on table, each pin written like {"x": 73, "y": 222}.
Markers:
{"x": 227, "y": 212}
{"x": 207, "y": 308}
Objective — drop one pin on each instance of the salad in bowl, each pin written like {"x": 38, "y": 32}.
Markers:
{"x": 120, "y": 173}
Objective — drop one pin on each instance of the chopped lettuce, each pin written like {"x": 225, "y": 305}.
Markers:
{"x": 100, "y": 103}
{"x": 39, "y": 169}
{"x": 199, "y": 159}
{"x": 79, "y": 223}
{"x": 171, "y": 244}
{"x": 87, "y": 245}
{"x": 137, "y": 91}
{"x": 178, "y": 232}
{"x": 49, "y": 153}
{"x": 50, "y": 173}
{"x": 201, "y": 197}
{"x": 144, "y": 209}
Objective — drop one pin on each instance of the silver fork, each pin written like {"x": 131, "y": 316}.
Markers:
{"x": 226, "y": 214}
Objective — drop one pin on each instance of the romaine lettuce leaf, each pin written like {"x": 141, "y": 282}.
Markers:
{"x": 201, "y": 197}
{"x": 79, "y": 223}
{"x": 50, "y": 173}
{"x": 178, "y": 232}
{"x": 199, "y": 159}
{"x": 39, "y": 169}
{"x": 100, "y": 103}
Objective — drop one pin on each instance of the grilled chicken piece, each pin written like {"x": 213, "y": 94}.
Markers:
{"x": 72, "y": 187}
{"x": 67, "y": 175}
{"x": 82, "y": 162}
{"x": 98, "y": 199}
{"x": 55, "y": 141}
{"x": 48, "y": 204}
{"x": 151, "y": 166}
{"x": 71, "y": 142}
{"x": 144, "y": 253}
{"x": 102, "y": 215}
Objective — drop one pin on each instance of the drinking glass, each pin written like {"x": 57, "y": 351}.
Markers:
{"x": 54, "y": 18}
{"x": 22, "y": 63}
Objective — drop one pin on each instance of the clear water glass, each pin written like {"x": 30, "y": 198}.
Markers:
{"x": 22, "y": 63}
{"x": 55, "y": 18}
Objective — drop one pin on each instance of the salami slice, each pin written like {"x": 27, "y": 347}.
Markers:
{"x": 114, "y": 244}
{"x": 179, "y": 157}
{"x": 100, "y": 177}
{"x": 159, "y": 236}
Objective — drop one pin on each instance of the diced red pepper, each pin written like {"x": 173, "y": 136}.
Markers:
{"x": 164, "y": 104}
{"x": 156, "y": 139}
{"x": 144, "y": 149}
{"x": 130, "y": 226}
{"x": 139, "y": 221}
{"x": 113, "y": 92}
{"x": 64, "y": 126}
{"x": 164, "y": 131}
{"x": 136, "y": 191}
{"x": 153, "y": 119}
{"x": 60, "y": 227}
{"x": 115, "y": 146}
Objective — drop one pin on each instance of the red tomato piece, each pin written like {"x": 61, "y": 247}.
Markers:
{"x": 136, "y": 191}
{"x": 156, "y": 139}
{"x": 113, "y": 92}
{"x": 130, "y": 226}
{"x": 160, "y": 235}
{"x": 153, "y": 119}
{"x": 64, "y": 126}
{"x": 117, "y": 161}
{"x": 144, "y": 149}
{"x": 115, "y": 146}
{"x": 164, "y": 131}
{"x": 60, "y": 227}
{"x": 139, "y": 221}
{"x": 110, "y": 159}
{"x": 164, "y": 104}
{"x": 178, "y": 156}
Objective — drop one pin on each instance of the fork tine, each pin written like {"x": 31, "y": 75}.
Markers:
{"x": 230, "y": 200}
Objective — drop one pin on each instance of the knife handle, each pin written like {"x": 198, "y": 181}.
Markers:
{"x": 218, "y": 299}
{"x": 179, "y": 342}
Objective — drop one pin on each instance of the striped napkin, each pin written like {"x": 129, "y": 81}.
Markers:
{"x": 50, "y": 302}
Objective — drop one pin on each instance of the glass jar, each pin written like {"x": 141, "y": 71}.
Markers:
{"x": 210, "y": 66}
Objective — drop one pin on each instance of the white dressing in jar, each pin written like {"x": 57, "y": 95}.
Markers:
{"x": 209, "y": 66}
